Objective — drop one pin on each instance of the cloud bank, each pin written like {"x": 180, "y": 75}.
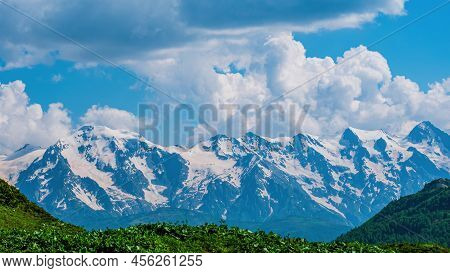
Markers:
{"x": 214, "y": 52}
{"x": 24, "y": 123}
{"x": 132, "y": 29}
{"x": 359, "y": 91}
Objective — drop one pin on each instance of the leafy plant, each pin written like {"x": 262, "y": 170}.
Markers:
{"x": 163, "y": 237}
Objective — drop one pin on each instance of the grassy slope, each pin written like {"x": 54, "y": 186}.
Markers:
{"x": 17, "y": 212}
{"x": 25, "y": 227}
{"x": 420, "y": 217}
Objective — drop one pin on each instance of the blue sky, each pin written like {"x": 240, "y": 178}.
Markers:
{"x": 185, "y": 48}
{"x": 420, "y": 52}
{"x": 78, "y": 89}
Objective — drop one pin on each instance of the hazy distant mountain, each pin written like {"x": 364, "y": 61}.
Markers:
{"x": 303, "y": 186}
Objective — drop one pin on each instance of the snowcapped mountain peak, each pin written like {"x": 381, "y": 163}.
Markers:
{"x": 220, "y": 142}
{"x": 254, "y": 142}
{"x": 252, "y": 179}
{"x": 251, "y": 134}
{"x": 93, "y": 132}
{"x": 86, "y": 128}
{"x": 422, "y": 131}
{"x": 372, "y": 141}
{"x": 106, "y": 138}
{"x": 368, "y": 135}
{"x": 307, "y": 138}
{"x": 349, "y": 138}
{"x": 427, "y": 125}
{"x": 223, "y": 146}
{"x": 425, "y": 133}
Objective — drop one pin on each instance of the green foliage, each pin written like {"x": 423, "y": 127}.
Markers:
{"x": 178, "y": 238}
{"x": 16, "y": 211}
{"x": 423, "y": 217}
{"x": 25, "y": 227}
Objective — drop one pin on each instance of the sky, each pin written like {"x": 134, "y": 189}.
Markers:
{"x": 229, "y": 52}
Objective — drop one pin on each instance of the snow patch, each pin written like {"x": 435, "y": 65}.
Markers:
{"x": 141, "y": 164}
{"x": 87, "y": 198}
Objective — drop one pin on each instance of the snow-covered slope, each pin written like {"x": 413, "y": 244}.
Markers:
{"x": 13, "y": 164}
{"x": 304, "y": 185}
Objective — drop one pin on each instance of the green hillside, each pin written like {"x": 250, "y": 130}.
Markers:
{"x": 24, "y": 227}
{"x": 17, "y": 212}
{"x": 420, "y": 217}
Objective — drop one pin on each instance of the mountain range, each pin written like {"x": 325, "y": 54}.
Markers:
{"x": 303, "y": 185}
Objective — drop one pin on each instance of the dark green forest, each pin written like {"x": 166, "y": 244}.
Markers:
{"x": 420, "y": 217}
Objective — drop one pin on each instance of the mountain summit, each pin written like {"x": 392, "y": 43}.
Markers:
{"x": 425, "y": 132}
{"x": 303, "y": 186}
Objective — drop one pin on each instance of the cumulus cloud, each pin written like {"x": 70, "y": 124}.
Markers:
{"x": 24, "y": 123}
{"x": 132, "y": 29}
{"x": 231, "y": 52}
{"x": 357, "y": 90}
{"x": 110, "y": 117}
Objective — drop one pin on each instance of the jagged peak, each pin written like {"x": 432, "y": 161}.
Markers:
{"x": 217, "y": 141}
{"x": 349, "y": 138}
{"x": 213, "y": 142}
{"x": 368, "y": 135}
{"x": 251, "y": 134}
{"x": 219, "y": 137}
{"x": 305, "y": 136}
{"x": 86, "y": 128}
{"x": 252, "y": 137}
{"x": 425, "y": 125}
{"x": 425, "y": 131}
{"x": 107, "y": 132}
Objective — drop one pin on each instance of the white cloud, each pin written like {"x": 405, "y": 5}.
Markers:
{"x": 57, "y": 78}
{"x": 110, "y": 117}
{"x": 131, "y": 30}
{"x": 248, "y": 61}
{"x": 24, "y": 123}
{"x": 357, "y": 90}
